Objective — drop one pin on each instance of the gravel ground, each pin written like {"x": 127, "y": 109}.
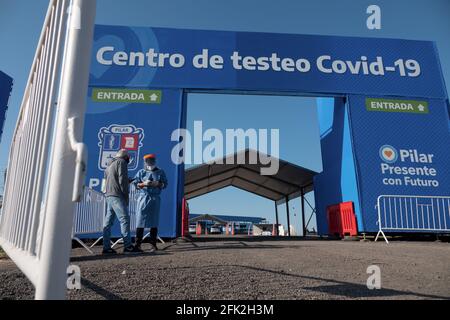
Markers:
{"x": 241, "y": 269}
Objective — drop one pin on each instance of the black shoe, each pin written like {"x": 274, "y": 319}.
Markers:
{"x": 138, "y": 249}
{"x": 131, "y": 249}
{"x": 154, "y": 246}
{"x": 109, "y": 252}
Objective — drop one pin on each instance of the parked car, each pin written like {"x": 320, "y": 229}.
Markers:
{"x": 266, "y": 233}
{"x": 216, "y": 229}
{"x": 192, "y": 229}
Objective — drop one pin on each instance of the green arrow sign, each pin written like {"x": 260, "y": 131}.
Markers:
{"x": 391, "y": 105}
{"x": 126, "y": 95}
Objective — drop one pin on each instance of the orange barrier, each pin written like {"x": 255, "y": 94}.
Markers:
{"x": 198, "y": 229}
{"x": 342, "y": 219}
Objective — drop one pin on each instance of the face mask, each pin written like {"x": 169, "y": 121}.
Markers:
{"x": 150, "y": 165}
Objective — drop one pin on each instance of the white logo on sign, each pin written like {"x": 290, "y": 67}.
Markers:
{"x": 117, "y": 137}
{"x": 388, "y": 154}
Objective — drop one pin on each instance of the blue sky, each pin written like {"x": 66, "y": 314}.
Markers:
{"x": 21, "y": 22}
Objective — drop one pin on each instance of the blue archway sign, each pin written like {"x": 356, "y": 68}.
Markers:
{"x": 394, "y": 89}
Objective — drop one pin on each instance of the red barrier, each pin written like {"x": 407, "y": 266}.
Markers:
{"x": 342, "y": 220}
{"x": 185, "y": 219}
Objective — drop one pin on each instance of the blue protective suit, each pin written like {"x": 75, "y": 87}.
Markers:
{"x": 149, "y": 200}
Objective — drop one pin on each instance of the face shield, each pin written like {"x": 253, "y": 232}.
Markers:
{"x": 150, "y": 164}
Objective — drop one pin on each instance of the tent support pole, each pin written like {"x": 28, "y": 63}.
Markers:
{"x": 303, "y": 213}
{"x": 277, "y": 232}
{"x": 288, "y": 217}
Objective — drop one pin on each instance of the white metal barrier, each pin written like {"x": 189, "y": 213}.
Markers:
{"x": 89, "y": 213}
{"x": 46, "y": 162}
{"x": 133, "y": 206}
{"x": 397, "y": 213}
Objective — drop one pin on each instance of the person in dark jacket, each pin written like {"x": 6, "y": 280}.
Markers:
{"x": 117, "y": 198}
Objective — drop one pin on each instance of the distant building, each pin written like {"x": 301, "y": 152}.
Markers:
{"x": 222, "y": 224}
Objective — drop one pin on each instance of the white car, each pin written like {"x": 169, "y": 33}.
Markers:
{"x": 192, "y": 229}
{"x": 266, "y": 233}
{"x": 215, "y": 230}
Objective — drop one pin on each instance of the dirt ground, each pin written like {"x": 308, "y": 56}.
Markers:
{"x": 244, "y": 269}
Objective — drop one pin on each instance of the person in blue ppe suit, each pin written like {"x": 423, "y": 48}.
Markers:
{"x": 150, "y": 181}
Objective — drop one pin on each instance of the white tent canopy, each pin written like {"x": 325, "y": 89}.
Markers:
{"x": 287, "y": 183}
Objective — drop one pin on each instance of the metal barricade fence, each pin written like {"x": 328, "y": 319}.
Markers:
{"x": 397, "y": 213}
{"x": 89, "y": 213}
{"x": 88, "y": 218}
{"x": 133, "y": 206}
{"x": 45, "y": 151}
